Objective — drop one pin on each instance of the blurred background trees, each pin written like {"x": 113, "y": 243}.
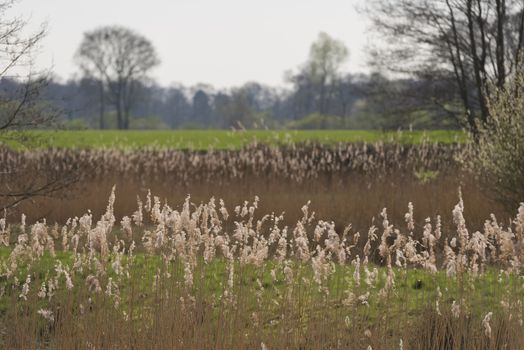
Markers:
{"x": 114, "y": 90}
{"x": 319, "y": 77}
{"x": 120, "y": 60}
{"x": 431, "y": 67}
{"x": 331, "y": 99}
{"x": 468, "y": 45}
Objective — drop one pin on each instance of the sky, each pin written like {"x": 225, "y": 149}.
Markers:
{"x": 223, "y": 43}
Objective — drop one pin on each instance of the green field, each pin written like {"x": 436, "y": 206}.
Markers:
{"x": 224, "y": 139}
{"x": 213, "y": 274}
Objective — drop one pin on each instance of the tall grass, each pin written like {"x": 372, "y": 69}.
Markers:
{"x": 209, "y": 276}
{"x": 296, "y": 162}
{"x": 345, "y": 182}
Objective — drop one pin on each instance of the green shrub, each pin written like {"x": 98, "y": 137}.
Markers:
{"x": 75, "y": 124}
{"x": 497, "y": 156}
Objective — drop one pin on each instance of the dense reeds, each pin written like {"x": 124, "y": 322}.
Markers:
{"x": 268, "y": 273}
{"x": 297, "y": 162}
{"x": 212, "y": 276}
{"x": 347, "y": 183}
{"x": 336, "y": 178}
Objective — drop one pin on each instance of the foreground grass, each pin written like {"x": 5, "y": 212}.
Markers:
{"x": 170, "y": 279}
{"x": 414, "y": 288}
{"x": 224, "y": 139}
{"x": 261, "y": 307}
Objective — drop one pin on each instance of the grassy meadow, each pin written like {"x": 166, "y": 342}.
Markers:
{"x": 204, "y": 240}
{"x": 224, "y": 139}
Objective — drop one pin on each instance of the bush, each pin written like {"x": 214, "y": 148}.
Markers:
{"x": 76, "y": 124}
{"x": 497, "y": 156}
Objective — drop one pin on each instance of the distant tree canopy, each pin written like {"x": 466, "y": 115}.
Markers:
{"x": 115, "y": 91}
{"x": 202, "y": 107}
{"x": 472, "y": 44}
{"x": 318, "y": 79}
{"x": 120, "y": 60}
{"x": 357, "y": 102}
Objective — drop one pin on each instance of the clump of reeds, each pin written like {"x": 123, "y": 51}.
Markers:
{"x": 296, "y": 162}
{"x": 205, "y": 276}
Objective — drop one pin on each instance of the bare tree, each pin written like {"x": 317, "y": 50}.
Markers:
{"x": 477, "y": 43}
{"x": 17, "y": 107}
{"x": 119, "y": 58}
{"x": 21, "y": 108}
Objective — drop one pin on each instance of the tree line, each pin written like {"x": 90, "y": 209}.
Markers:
{"x": 114, "y": 91}
{"x": 436, "y": 64}
{"x": 477, "y": 45}
{"x": 356, "y": 102}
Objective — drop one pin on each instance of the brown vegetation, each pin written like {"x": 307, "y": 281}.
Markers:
{"x": 346, "y": 182}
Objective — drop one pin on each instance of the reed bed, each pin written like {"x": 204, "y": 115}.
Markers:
{"x": 316, "y": 263}
{"x": 297, "y": 162}
{"x": 211, "y": 276}
{"x": 345, "y": 181}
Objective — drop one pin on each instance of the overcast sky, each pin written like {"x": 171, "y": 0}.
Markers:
{"x": 224, "y": 43}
